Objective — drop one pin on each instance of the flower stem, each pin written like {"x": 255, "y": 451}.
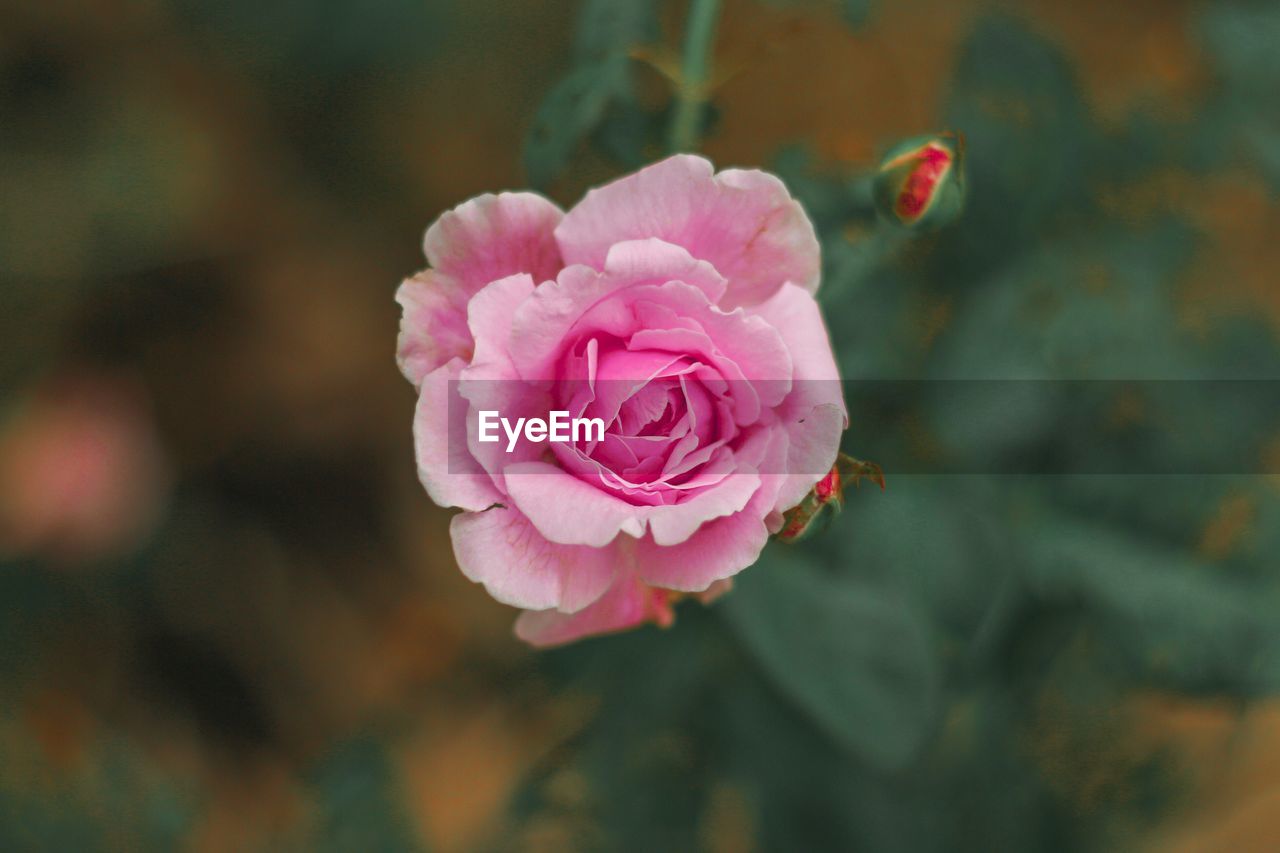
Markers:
{"x": 695, "y": 61}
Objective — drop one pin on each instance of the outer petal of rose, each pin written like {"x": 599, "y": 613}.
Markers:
{"x": 794, "y": 313}
{"x": 814, "y": 412}
{"x": 571, "y": 511}
{"x": 675, "y": 523}
{"x": 541, "y": 325}
{"x": 451, "y": 475}
{"x": 490, "y": 381}
{"x": 743, "y": 221}
{"x": 717, "y": 589}
{"x": 489, "y": 316}
{"x": 517, "y": 565}
{"x": 814, "y": 442}
{"x": 568, "y": 510}
{"x": 627, "y": 604}
{"x": 720, "y": 548}
{"x": 433, "y": 324}
{"x": 490, "y": 387}
{"x": 494, "y": 236}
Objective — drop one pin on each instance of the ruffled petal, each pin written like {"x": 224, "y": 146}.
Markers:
{"x": 446, "y": 467}
{"x": 627, "y": 604}
{"x": 720, "y": 548}
{"x": 675, "y": 523}
{"x": 743, "y": 221}
{"x": 489, "y": 316}
{"x": 485, "y": 239}
{"x": 747, "y": 349}
{"x": 490, "y": 382}
{"x": 568, "y": 510}
{"x": 814, "y": 413}
{"x": 812, "y": 447}
{"x": 517, "y": 565}
{"x": 540, "y": 329}
{"x": 433, "y": 324}
{"x": 494, "y": 236}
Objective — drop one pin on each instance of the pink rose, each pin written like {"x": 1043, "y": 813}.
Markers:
{"x": 676, "y": 306}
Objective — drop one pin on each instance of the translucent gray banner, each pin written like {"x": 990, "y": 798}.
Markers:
{"x": 1013, "y": 427}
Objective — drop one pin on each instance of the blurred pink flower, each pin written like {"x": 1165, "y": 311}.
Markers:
{"x": 674, "y": 304}
{"x": 82, "y": 475}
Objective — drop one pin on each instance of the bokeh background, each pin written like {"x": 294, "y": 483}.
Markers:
{"x": 230, "y": 618}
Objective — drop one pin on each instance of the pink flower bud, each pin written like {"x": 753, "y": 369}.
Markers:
{"x": 920, "y": 184}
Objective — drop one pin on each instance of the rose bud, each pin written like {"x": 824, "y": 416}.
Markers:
{"x": 920, "y": 184}
{"x": 810, "y": 515}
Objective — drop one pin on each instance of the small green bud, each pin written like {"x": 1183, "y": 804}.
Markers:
{"x": 920, "y": 183}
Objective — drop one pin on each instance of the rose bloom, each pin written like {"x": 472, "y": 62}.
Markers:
{"x": 675, "y": 304}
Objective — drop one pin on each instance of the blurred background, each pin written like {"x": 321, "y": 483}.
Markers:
{"x": 229, "y": 615}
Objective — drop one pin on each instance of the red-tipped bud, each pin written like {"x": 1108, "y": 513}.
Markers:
{"x": 811, "y": 514}
{"x": 920, "y": 184}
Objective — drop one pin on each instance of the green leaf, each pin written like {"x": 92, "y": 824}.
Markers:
{"x": 854, "y": 658}
{"x": 597, "y": 93}
{"x": 1165, "y": 616}
{"x": 361, "y": 802}
{"x": 1028, "y": 135}
{"x": 643, "y": 763}
{"x": 1240, "y": 38}
{"x": 572, "y": 109}
{"x": 855, "y": 12}
{"x": 609, "y": 26}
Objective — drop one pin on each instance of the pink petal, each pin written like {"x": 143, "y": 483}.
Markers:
{"x": 748, "y": 350}
{"x": 451, "y": 475}
{"x": 622, "y": 373}
{"x": 517, "y": 565}
{"x": 433, "y": 324}
{"x": 720, "y": 548}
{"x": 715, "y": 591}
{"x": 491, "y": 387}
{"x": 568, "y": 510}
{"x": 794, "y": 313}
{"x": 814, "y": 442}
{"x": 494, "y": 236}
{"x": 675, "y": 523}
{"x": 814, "y": 412}
{"x": 757, "y": 348}
{"x": 743, "y": 221}
{"x": 490, "y": 382}
{"x": 489, "y": 316}
{"x": 627, "y": 604}
{"x": 541, "y": 328}
{"x": 654, "y": 261}
{"x": 485, "y": 239}
{"x": 646, "y": 406}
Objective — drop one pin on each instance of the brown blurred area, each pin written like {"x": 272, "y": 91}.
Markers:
{"x": 227, "y": 252}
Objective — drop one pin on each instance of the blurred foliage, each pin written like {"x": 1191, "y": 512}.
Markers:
{"x": 921, "y": 639}
{"x": 218, "y": 198}
{"x": 597, "y": 98}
